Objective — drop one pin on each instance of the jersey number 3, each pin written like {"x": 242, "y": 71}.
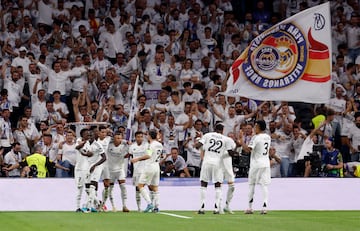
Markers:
{"x": 266, "y": 146}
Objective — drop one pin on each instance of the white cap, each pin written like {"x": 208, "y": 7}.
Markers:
{"x": 23, "y": 49}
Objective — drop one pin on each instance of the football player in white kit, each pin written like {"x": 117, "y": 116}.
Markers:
{"x": 116, "y": 154}
{"x": 104, "y": 140}
{"x": 96, "y": 156}
{"x": 81, "y": 171}
{"x": 214, "y": 147}
{"x": 136, "y": 150}
{"x": 229, "y": 175}
{"x": 259, "y": 172}
{"x": 151, "y": 174}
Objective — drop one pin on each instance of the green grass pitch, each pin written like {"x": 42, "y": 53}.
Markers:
{"x": 180, "y": 220}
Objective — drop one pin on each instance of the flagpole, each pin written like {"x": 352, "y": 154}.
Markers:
{"x": 132, "y": 110}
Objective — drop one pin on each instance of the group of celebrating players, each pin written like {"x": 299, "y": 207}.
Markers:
{"x": 105, "y": 158}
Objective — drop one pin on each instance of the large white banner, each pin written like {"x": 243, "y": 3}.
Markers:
{"x": 290, "y": 61}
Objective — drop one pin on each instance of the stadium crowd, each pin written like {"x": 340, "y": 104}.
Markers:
{"x": 72, "y": 64}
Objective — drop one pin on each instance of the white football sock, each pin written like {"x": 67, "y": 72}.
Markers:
{"x": 202, "y": 196}
{"x": 91, "y": 198}
{"x": 111, "y": 196}
{"x": 105, "y": 195}
{"x": 251, "y": 195}
{"x": 218, "y": 193}
{"x": 230, "y": 193}
{"x": 145, "y": 195}
{"x": 78, "y": 196}
{"x": 123, "y": 194}
{"x": 138, "y": 199}
{"x": 265, "y": 194}
{"x": 156, "y": 199}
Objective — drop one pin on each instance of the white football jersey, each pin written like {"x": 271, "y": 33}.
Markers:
{"x": 104, "y": 143}
{"x": 115, "y": 155}
{"x": 136, "y": 151}
{"x": 82, "y": 162}
{"x": 215, "y": 146}
{"x": 97, "y": 150}
{"x": 260, "y": 145}
{"x": 155, "y": 151}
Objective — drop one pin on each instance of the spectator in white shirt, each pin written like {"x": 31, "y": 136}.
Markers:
{"x": 188, "y": 73}
{"x": 156, "y": 73}
{"x": 176, "y": 106}
{"x": 176, "y": 163}
{"x": 191, "y": 95}
{"x": 230, "y": 120}
{"x": 111, "y": 41}
{"x": 161, "y": 38}
{"x": 205, "y": 116}
{"x": 77, "y": 21}
{"x": 79, "y": 82}
{"x": 50, "y": 115}
{"x": 59, "y": 106}
{"x": 33, "y": 78}
{"x": 194, "y": 53}
{"x": 45, "y": 9}
{"x": 39, "y": 106}
{"x": 101, "y": 64}
{"x": 22, "y": 60}
{"x": 14, "y": 94}
{"x": 58, "y": 78}
{"x": 174, "y": 22}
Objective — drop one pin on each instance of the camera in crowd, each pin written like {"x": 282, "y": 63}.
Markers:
{"x": 315, "y": 159}
{"x": 241, "y": 164}
{"x": 33, "y": 171}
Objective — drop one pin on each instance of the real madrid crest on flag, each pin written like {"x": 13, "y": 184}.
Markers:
{"x": 290, "y": 61}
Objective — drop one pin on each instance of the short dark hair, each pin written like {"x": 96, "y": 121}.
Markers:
{"x": 219, "y": 127}
{"x": 262, "y": 124}
{"x": 118, "y": 133}
{"x": 102, "y": 127}
{"x": 329, "y": 112}
{"x": 4, "y": 92}
{"x": 153, "y": 133}
{"x": 174, "y": 93}
{"x": 47, "y": 135}
{"x": 187, "y": 84}
{"x": 82, "y": 132}
{"x": 14, "y": 144}
{"x": 176, "y": 148}
{"x": 138, "y": 133}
